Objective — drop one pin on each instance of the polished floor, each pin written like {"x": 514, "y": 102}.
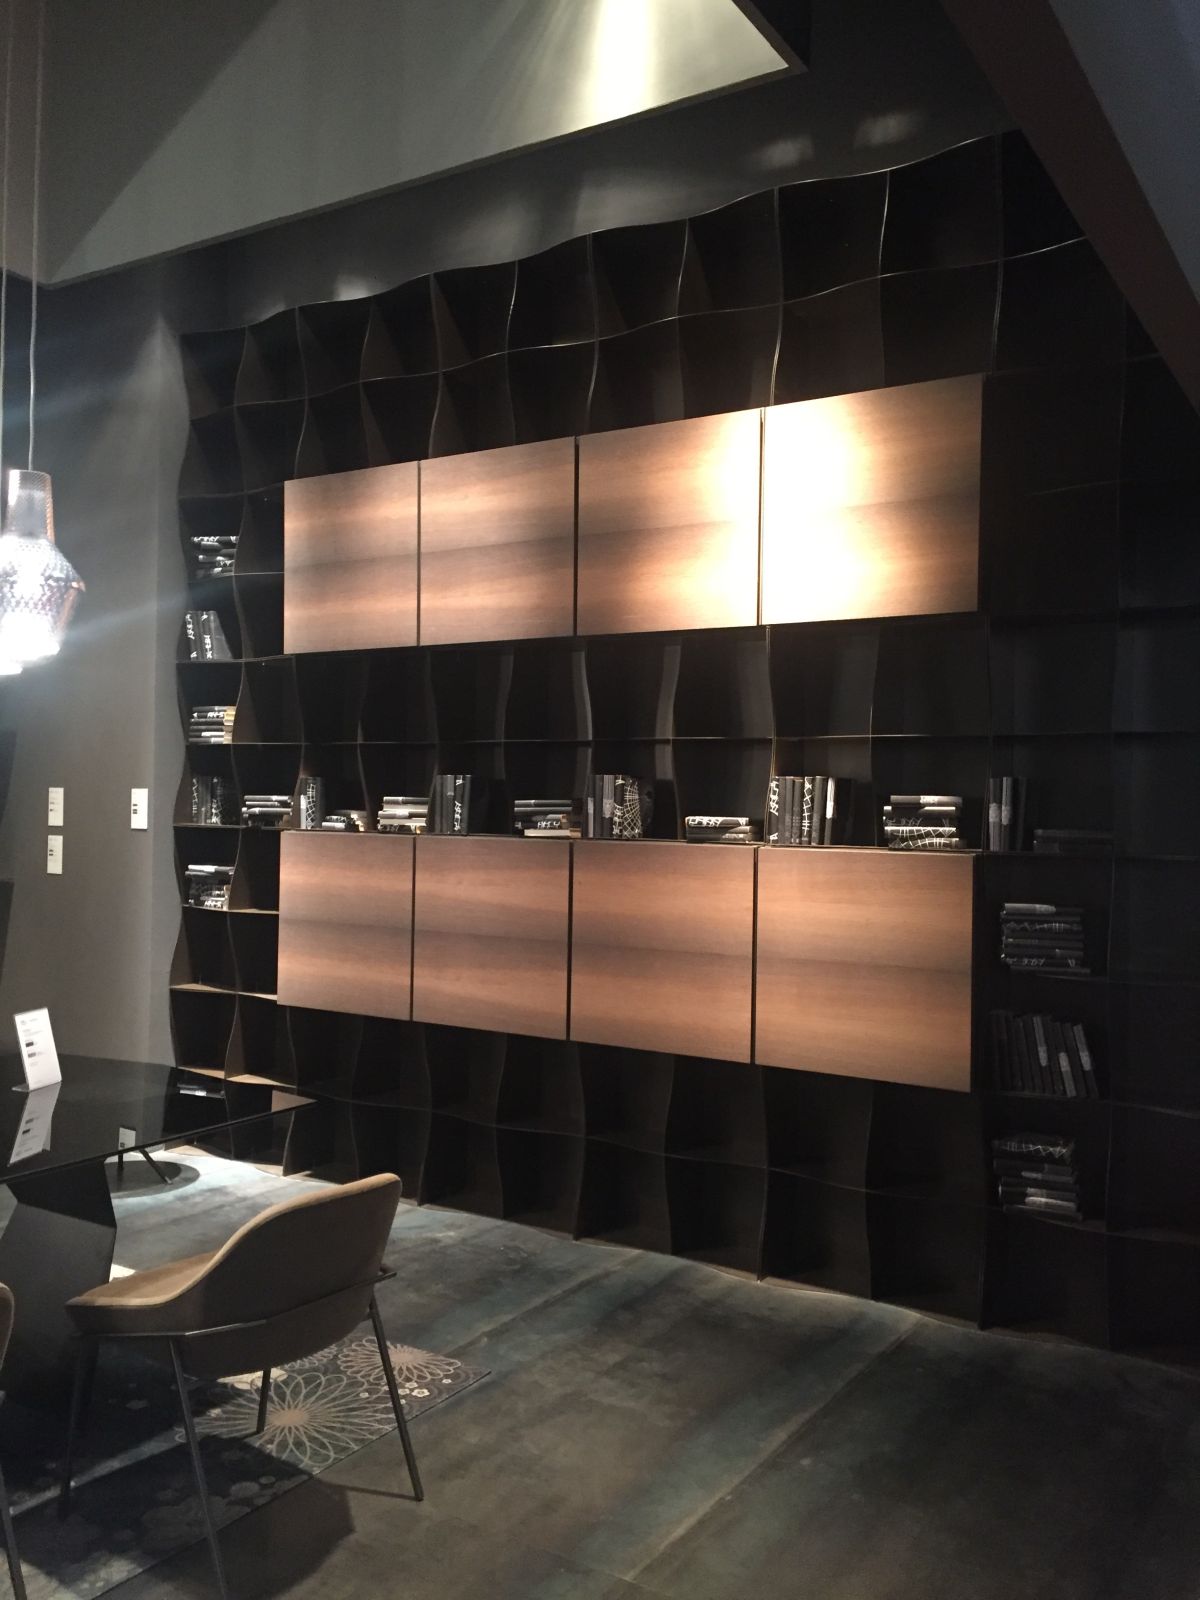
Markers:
{"x": 654, "y": 1428}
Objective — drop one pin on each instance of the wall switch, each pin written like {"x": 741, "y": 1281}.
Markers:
{"x": 54, "y": 809}
{"x": 139, "y": 808}
{"x": 54, "y": 847}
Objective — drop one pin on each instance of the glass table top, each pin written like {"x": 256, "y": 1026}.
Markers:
{"x": 81, "y": 1119}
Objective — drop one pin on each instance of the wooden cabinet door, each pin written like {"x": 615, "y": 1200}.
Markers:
{"x": 668, "y": 525}
{"x": 871, "y": 503}
{"x": 490, "y": 932}
{"x": 350, "y": 560}
{"x": 498, "y": 544}
{"x": 864, "y": 964}
{"x": 662, "y": 939}
{"x": 345, "y": 922}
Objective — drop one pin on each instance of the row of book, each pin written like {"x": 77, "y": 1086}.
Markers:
{"x": 801, "y": 810}
{"x": 548, "y": 818}
{"x": 206, "y": 637}
{"x": 211, "y": 724}
{"x": 1041, "y": 1055}
{"x": 214, "y": 801}
{"x": 1037, "y": 1172}
{"x": 721, "y": 830}
{"x": 1071, "y": 842}
{"x": 923, "y": 822}
{"x": 214, "y": 553}
{"x": 1042, "y": 938}
{"x": 403, "y": 813}
{"x": 207, "y": 885}
{"x": 618, "y": 806}
{"x": 267, "y": 810}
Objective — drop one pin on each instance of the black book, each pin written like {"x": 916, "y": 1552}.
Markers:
{"x": 1037, "y": 1173}
{"x": 1047, "y": 1067}
{"x": 771, "y": 830}
{"x": 787, "y": 809}
{"x": 1044, "y": 1147}
{"x": 1025, "y": 1072}
{"x": 1086, "y": 1065}
{"x": 1070, "y": 1087}
{"x": 817, "y": 826}
{"x": 1000, "y": 1067}
{"x": 831, "y": 799}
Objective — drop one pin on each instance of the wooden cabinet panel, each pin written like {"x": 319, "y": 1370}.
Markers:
{"x": 864, "y": 964}
{"x": 498, "y": 544}
{"x": 345, "y": 922}
{"x": 350, "y": 560}
{"x": 871, "y": 503}
{"x": 662, "y": 946}
{"x": 490, "y": 928}
{"x": 668, "y": 525}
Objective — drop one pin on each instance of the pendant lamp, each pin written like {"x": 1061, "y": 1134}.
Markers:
{"x": 39, "y": 588}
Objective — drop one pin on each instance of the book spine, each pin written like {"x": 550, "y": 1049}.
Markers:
{"x": 999, "y": 1051}
{"x": 820, "y": 790}
{"x": 786, "y": 810}
{"x": 1024, "y": 1062}
{"x": 1087, "y": 1070}
{"x": 831, "y": 791}
{"x": 993, "y": 814}
{"x": 771, "y": 832}
{"x": 804, "y": 824}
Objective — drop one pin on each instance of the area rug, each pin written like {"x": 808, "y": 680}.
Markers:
{"x": 135, "y": 1501}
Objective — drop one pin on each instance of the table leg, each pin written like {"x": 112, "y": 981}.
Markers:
{"x": 59, "y": 1242}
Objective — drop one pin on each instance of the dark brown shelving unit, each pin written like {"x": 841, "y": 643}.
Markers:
{"x": 1076, "y": 671}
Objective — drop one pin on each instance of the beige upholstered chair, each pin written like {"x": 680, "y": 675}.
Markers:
{"x": 6, "y": 1522}
{"x": 297, "y": 1278}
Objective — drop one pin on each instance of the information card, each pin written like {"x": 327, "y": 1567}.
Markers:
{"x": 38, "y": 1054}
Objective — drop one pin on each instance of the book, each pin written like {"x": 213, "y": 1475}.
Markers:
{"x": 1086, "y": 1066}
{"x": 819, "y": 797}
{"x": 772, "y": 815}
{"x": 312, "y": 803}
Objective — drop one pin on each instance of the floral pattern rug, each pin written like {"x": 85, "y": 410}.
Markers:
{"x": 136, "y": 1506}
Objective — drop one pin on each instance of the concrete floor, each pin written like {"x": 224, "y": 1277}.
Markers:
{"x": 655, "y": 1428}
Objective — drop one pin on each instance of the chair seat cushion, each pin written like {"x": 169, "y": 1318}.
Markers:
{"x": 135, "y": 1304}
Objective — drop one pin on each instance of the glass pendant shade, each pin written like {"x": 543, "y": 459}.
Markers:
{"x": 39, "y": 588}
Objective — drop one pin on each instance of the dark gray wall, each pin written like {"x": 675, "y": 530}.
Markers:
{"x": 889, "y": 83}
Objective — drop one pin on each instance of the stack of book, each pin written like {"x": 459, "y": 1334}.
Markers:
{"x": 450, "y": 803}
{"x": 206, "y": 637}
{"x": 312, "y": 803}
{"x": 403, "y": 813}
{"x": 208, "y": 886}
{"x": 1041, "y": 1055}
{"x": 267, "y": 810}
{"x": 1071, "y": 842}
{"x": 1005, "y": 809}
{"x": 802, "y": 810}
{"x": 721, "y": 830}
{"x": 923, "y": 822}
{"x": 618, "y": 806}
{"x": 211, "y": 724}
{"x": 1036, "y": 1172}
{"x": 214, "y": 553}
{"x": 343, "y": 822}
{"x": 548, "y": 818}
{"x": 1042, "y": 938}
{"x": 214, "y": 801}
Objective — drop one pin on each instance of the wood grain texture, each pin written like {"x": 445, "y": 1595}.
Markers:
{"x": 662, "y": 946}
{"x": 498, "y": 544}
{"x": 350, "y": 560}
{"x": 864, "y": 964}
{"x": 345, "y": 922}
{"x": 871, "y": 503}
{"x": 490, "y": 934}
{"x": 668, "y": 525}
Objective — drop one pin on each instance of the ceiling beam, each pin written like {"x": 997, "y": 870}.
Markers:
{"x": 1021, "y": 46}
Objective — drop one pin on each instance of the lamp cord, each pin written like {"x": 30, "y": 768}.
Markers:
{"x": 37, "y": 185}
{"x": 8, "y": 56}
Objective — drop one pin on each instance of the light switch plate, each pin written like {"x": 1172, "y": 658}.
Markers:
{"x": 54, "y": 808}
{"x": 139, "y": 808}
{"x": 54, "y": 853}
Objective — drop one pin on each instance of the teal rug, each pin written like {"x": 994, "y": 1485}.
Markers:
{"x": 135, "y": 1501}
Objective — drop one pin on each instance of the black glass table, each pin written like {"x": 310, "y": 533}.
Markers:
{"x": 53, "y": 1148}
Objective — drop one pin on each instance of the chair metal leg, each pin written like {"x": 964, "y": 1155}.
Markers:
{"x": 385, "y": 1356}
{"x": 264, "y": 1400}
{"x": 189, "y": 1427}
{"x": 10, "y": 1543}
{"x": 159, "y": 1172}
{"x": 87, "y": 1352}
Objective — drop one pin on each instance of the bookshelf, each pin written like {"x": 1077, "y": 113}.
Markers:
{"x": 1055, "y": 636}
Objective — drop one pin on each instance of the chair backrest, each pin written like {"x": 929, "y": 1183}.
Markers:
{"x": 296, "y": 1278}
